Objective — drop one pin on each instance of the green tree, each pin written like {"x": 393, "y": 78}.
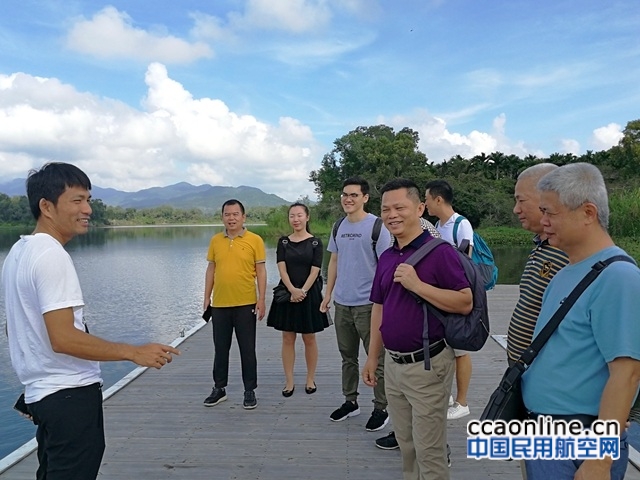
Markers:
{"x": 626, "y": 155}
{"x": 376, "y": 153}
{"x": 459, "y": 165}
{"x": 19, "y": 211}
{"x": 99, "y": 213}
{"x": 5, "y": 201}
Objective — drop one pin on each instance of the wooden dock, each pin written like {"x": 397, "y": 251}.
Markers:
{"x": 157, "y": 427}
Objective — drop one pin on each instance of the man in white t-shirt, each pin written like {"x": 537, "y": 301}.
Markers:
{"x": 454, "y": 229}
{"x": 52, "y": 352}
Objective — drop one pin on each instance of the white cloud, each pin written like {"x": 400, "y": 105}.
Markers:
{"x": 296, "y": 32}
{"x": 317, "y": 51}
{"x": 569, "y": 145}
{"x": 464, "y": 114}
{"x": 111, "y": 34}
{"x": 485, "y": 79}
{"x": 295, "y": 16}
{"x": 176, "y": 138}
{"x": 212, "y": 28}
{"x": 439, "y": 143}
{"x": 552, "y": 77}
{"x": 606, "y": 137}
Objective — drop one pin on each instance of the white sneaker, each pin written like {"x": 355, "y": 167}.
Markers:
{"x": 457, "y": 411}
{"x": 451, "y": 401}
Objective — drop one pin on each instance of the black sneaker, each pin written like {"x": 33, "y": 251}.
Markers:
{"x": 448, "y": 455}
{"x": 348, "y": 409}
{"x": 387, "y": 443}
{"x": 379, "y": 418}
{"x": 217, "y": 395}
{"x": 250, "y": 401}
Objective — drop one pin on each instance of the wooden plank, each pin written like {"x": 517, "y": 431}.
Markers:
{"x": 157, "y": 427}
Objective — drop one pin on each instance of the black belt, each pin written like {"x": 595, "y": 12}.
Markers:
{"x": 583, "y": 418}
{"x": 434, "y": 349}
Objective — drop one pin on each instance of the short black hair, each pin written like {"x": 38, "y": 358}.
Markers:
{"x": 51, "y": 181}
{"x": 364, "y": 185}
{"x": 440, "y": 188}
{"x": 397, "y": 183}
{"x": 233, "y": 201}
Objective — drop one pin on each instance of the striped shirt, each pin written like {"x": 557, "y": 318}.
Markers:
{"x": 543, "y": 263}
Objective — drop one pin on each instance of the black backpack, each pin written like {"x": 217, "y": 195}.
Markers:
{"x": 375, "y": 233}
{"x": 462, "y": 332}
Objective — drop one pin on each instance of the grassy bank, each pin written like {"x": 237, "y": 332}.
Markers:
{"x": 623, "y": 235}
{"x": 517, "y": 236}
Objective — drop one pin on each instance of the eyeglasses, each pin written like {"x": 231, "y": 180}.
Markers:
{"x": 350, "y": 195}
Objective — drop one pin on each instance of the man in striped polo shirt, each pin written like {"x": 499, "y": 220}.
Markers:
{"x": 543, "y": 263}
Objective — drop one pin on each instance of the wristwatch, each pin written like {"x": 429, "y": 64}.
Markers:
{"x": 303, "y": 291}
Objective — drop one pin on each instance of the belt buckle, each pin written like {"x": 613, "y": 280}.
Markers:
{"x": 402, "y": 359}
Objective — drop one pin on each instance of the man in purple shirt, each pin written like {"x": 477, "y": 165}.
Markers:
{"x": 417, "y": 397}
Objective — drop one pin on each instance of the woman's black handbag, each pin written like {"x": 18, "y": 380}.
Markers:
{"x": 281, "y": 294}
{"x": 506, "y": 402}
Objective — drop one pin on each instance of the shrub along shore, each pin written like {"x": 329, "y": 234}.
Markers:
{"x": 278, "y": 224}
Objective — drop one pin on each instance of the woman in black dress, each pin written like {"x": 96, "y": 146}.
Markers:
{"x": 299, "y": 258}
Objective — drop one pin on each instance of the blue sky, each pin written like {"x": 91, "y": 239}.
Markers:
{"x": 254, "y": 92}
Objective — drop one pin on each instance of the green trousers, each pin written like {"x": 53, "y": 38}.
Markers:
{"x": 353, "y": 325}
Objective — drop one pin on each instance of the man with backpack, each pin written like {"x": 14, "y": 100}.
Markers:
{"x": 455, "y": 229}
{"x": 356, "y": 242}
{"x": 417, "y": 396}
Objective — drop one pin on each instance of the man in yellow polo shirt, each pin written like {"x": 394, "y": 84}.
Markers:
{"x": 236, "y": 259}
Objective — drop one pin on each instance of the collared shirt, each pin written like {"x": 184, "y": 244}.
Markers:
{"x": 234, "y": 282}
{"x": 543, "y": 263}
{"x": 402, "y": 315}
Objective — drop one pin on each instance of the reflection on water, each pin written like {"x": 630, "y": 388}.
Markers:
{"x": 145, "y": 284}
{"x": 510, "y": 262}
{"x": 139, "y": 285}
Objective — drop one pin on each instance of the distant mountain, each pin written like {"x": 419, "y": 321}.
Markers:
{"x": 14, "y": 187}
{"x": 181, "y": 195}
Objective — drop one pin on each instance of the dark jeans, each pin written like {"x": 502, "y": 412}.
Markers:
{"x": 566, "y": 469}
{"x": 243, "y": 320}
{"x": 70, "y": 433}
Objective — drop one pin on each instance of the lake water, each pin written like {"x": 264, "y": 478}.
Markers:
{"x": 145, "y": 284}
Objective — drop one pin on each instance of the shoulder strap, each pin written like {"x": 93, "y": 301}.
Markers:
{"x": 423, "y": 251}
{"x": 456, "y": 224}
{"x": 375, "y": 234}
{"x": 415, "y": 258}
{"x": 596, "y": 269}
{"x": 334, "y": 230}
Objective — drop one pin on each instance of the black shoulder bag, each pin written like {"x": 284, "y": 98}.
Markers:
{"x": 506, "y": 401}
